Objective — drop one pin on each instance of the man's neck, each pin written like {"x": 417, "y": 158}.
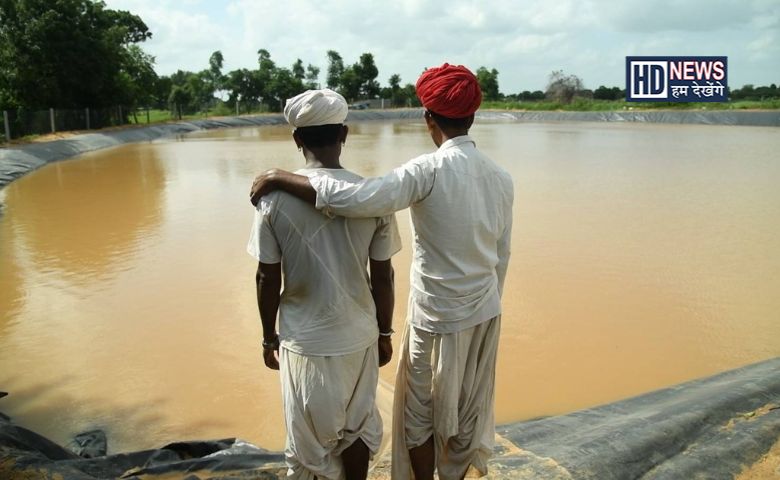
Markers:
{"x": 445, "y": 135}
{"x": 323, "y": 158}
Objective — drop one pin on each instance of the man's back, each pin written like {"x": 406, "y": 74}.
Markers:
{"x": 326, "y": 307}
{"x": 460, "y": 225}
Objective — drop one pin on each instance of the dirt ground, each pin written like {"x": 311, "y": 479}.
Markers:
{"x": 768, "y": 467}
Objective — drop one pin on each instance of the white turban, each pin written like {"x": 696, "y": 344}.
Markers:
{"x": 315, "y": 107}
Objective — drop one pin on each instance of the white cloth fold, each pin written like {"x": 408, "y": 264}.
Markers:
{"x": 315, "y": 107}
{"x": 329, "y": 402}
{"x": 445, "y": 388}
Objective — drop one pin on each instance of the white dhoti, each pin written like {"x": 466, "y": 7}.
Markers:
{"x": 329, "y": 402}
{"x": 445, "y": 389}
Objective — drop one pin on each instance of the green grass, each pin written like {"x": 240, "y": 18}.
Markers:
{"x": 162, "y": 116}
{"x": 589, "y": 105}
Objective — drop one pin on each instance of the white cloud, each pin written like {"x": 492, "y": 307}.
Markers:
{"x": 523, "y": 40}
{"x": 765, "y": 47}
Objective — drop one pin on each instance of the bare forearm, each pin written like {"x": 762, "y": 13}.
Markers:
{"x": 268, "y": 297}
{"x": 269, "y": 306}
{"x": 291, "y": 183}
{"x": 382, "y": 290}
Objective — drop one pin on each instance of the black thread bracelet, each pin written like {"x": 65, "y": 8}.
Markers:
{"x": 272, "y": 345}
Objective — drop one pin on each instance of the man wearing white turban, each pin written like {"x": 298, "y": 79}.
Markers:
{"x": 334, "y": 319}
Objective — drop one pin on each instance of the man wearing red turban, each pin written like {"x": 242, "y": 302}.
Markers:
{"x": 461, "y": 210}
{"x": 450, "y": 91}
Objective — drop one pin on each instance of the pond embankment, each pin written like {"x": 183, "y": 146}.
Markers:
{"x": 713, "y": 428}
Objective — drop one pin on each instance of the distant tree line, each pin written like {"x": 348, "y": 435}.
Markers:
{"x": 78, "y": 53}
{"x": 750, "y": 92}
{"x": 269, "y": 85}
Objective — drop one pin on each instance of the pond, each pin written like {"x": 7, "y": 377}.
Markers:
{"x": 643, "y": 256}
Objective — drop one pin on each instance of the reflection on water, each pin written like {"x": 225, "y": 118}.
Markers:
{"x": 643, "y": 255}
{"x": 76, "y": 198}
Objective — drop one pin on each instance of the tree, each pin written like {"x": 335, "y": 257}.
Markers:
{"x": 161, "y": 90}
{"x": 335, "y": 70}
{"x": 284, "y": 85}
{"x": 297, "y": 70}
{"x": 395, "y": 88}
{"x": 215, "y": 77}
{"x": 366, "y": 72}
{"x": 243, "y": 86}
{"x": 264, "y": 60}
{"x": 562, "y": 88}
{"x": 409, "y": 96}
{"x": 488, "y": 83}
{"x": 350, "y": 84}
{"x": 65, "y": 53}
{"x": 137, "y": 78}
{"x": 198, "y": 88}
{"x": 605, "y": 93}
{"x": 181, "y": 95}
{"x": 265, "y": 74}
{"x": 312, "y": 75}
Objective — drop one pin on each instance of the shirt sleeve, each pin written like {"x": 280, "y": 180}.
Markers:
{"x": 378, "y": 196}
{"x": 263, "y": 245}
{"x": 386, "y": 241}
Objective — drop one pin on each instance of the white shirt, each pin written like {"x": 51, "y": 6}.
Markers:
{"x": 326, "y": 306}
{"x": 461, "y": 209}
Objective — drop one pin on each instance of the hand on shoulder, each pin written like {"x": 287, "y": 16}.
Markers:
{"x": 265, "y": 183}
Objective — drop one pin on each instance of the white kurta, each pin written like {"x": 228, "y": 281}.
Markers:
{"x": 461, "y": 208}
{"x": 326, "y": 307}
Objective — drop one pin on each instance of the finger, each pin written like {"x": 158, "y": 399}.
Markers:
{"x": 254, "y": 196}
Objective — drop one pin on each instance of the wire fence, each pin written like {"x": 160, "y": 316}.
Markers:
{"x": 20, "y": 122}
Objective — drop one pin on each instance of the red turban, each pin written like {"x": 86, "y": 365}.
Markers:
{"x": 451, "y": 91}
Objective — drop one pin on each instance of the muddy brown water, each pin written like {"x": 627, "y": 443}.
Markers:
{"x": 643, "y": 256}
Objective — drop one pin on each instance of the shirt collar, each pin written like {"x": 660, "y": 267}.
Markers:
{"x": 457, "y": 141}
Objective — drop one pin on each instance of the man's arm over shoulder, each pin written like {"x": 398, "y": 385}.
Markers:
{"x": 377, "y": 196}
{"x": 277, "y": 179}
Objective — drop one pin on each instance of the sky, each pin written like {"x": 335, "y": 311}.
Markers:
{"x": 524, "y": 40}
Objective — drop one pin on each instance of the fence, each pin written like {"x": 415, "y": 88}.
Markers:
{"x": 21, "y": 122}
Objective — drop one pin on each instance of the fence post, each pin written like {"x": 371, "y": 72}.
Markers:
{"x": 51, "y": 118}
{"x": 147, "y": 115}
{"x": 236, "y": 107}
{"x": 120, "y": 116}
{"x": 86, "y": 111}
{"x": 7, "y": 126}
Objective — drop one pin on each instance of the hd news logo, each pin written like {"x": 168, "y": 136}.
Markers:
{"x": 676, "y": 79}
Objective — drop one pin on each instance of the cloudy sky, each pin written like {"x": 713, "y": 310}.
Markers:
{"x": 524, "y": 40}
